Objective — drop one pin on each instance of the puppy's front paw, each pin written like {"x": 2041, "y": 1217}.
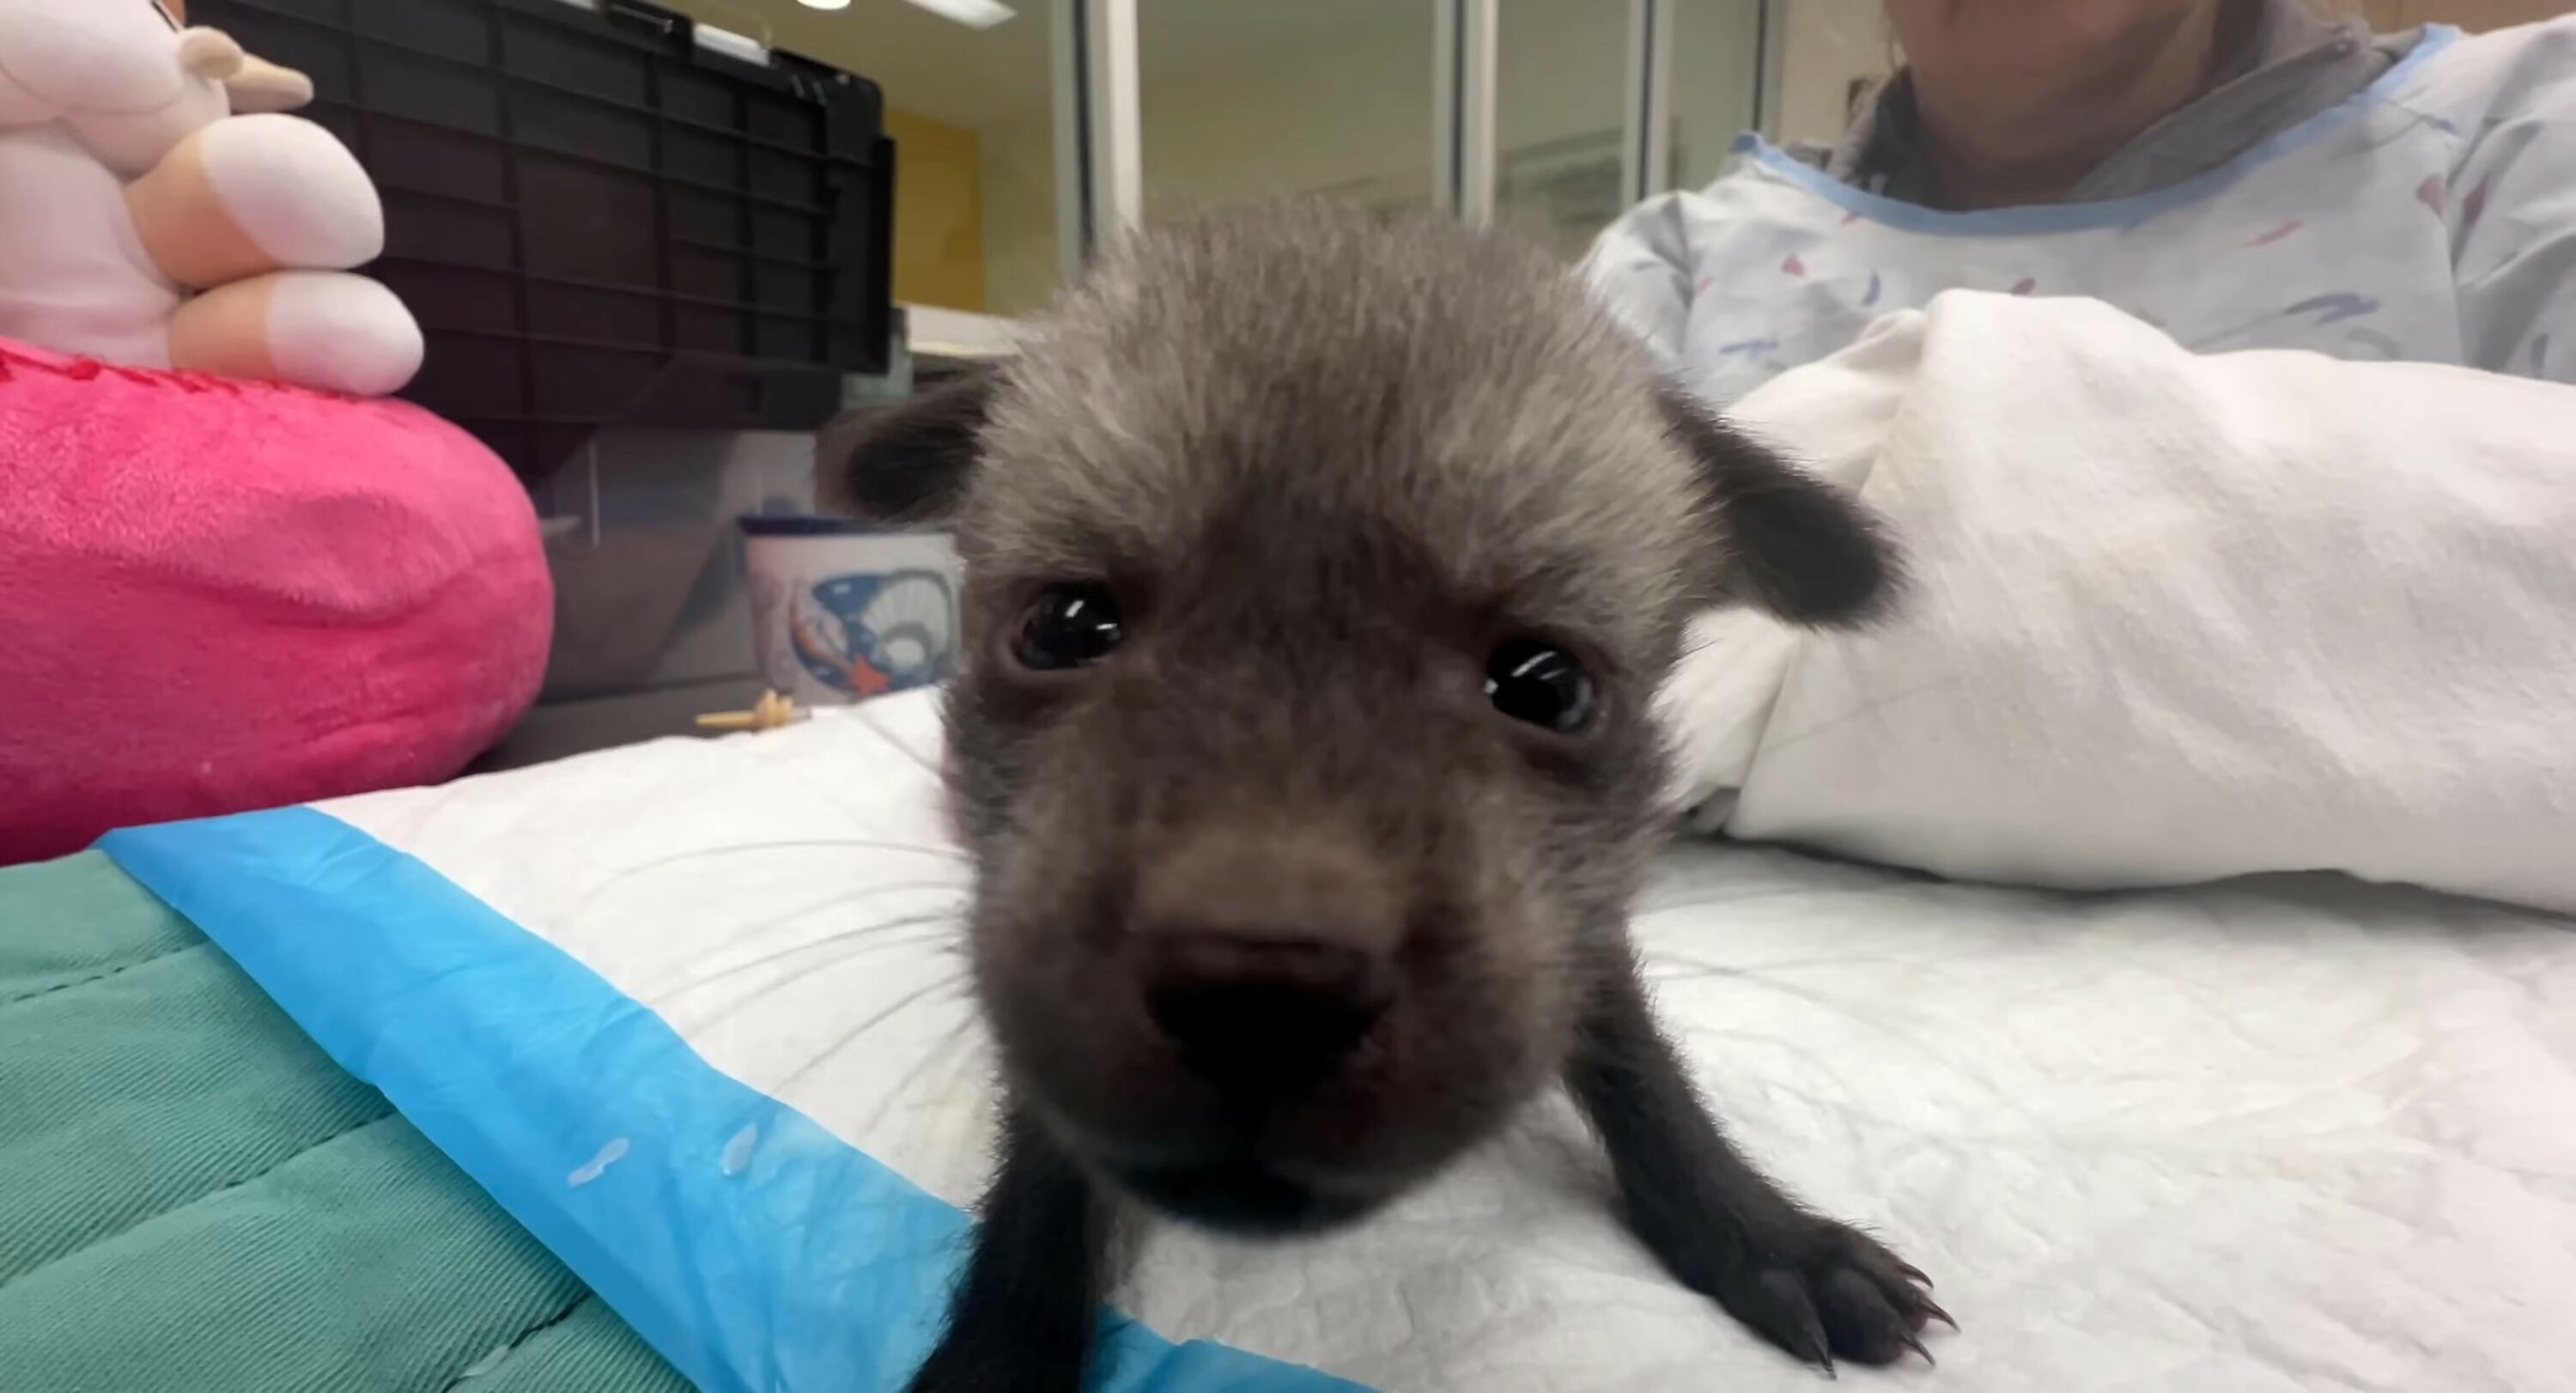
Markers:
{"x": 1824, "y": 1291}
{"x": 999, "y": 1363}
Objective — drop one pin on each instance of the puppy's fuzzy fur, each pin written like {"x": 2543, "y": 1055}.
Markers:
{"x": 1324, "y": 464}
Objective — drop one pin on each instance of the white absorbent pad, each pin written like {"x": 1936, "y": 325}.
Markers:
{"x": 694, "y": 1012}
{"x": 2172, "y": 617}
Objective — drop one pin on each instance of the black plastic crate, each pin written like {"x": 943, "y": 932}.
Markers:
{"x": 595, "y": 219}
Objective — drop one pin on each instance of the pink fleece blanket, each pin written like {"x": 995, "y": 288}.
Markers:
{"x": 220, "y": 595}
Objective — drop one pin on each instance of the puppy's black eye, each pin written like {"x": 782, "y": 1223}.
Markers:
{"x": 1531, "y": 681}
{"x": 1069, "y": 626}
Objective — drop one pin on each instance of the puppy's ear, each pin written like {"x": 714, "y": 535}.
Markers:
{"x": 906, "y": 462}
{"x": 1793, "y": 546}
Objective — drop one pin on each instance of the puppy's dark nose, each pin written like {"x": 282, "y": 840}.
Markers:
{"x": 1265, "y": 958}
{"x": 1263, "y": 1014}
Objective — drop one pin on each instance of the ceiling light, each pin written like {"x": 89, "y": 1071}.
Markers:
{"x": 825, "y": 4}
{"x": 974, "y": 14}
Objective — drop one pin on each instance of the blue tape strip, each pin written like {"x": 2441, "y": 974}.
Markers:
{"x": 755, "y": 1250}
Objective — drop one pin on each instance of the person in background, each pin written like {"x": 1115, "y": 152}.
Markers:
{"x": 2239, "y": 173}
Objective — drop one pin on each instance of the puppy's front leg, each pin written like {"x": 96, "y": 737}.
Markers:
{"x": 1814, "y": 1287}
{"x": 1023, "y": 1315}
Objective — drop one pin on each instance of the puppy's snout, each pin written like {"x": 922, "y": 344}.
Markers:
{"x": 1263, "y": 1016}
{"x": 1264, "y": 960}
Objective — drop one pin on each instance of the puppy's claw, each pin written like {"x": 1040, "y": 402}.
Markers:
{"x": 1935, "y": 1312}
{"x": 1914, "y": 1272}
{"x": 1915, "y": 1343}
{"x": 1785, "y": 1309}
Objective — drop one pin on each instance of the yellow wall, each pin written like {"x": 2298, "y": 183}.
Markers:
{"x": 938, "y": 213}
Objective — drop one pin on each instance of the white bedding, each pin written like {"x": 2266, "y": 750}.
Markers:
{"x": 2174, "y": 616}
{"x": 2278, "y": 1134}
